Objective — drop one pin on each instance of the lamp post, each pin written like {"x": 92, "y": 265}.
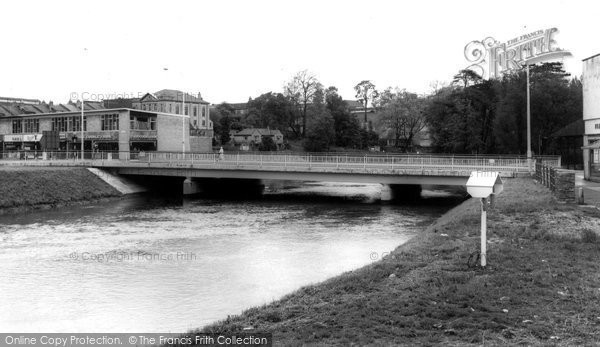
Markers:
{"x": 527, "y": 62}
{"x": 528, "y": 120}
{"x": 81, "y": 125}
{"x": 183, "y": 123}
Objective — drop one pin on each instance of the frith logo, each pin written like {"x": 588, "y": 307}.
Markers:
{"x": 490, "y": 58}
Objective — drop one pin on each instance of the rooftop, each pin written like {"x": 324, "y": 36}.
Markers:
{"x": 261, "y": 131}
{"x": 173, "y": 95}
{"x": 10, "y": 107}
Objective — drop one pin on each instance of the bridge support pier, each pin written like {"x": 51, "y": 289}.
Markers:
{"x": 386, "y": 192}
{"x": 191, "y": 186}
{"x": 403, "y": 192}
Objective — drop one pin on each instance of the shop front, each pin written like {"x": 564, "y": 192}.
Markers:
{"x": 143, "y": 140}
{"x": 591, "y": 159}
{"x": 21, "y": 142}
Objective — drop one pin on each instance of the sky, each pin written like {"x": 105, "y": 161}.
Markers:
{"x": 230, "y": 50}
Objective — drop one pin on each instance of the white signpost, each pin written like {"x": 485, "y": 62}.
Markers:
{"x": 483, "y": 185}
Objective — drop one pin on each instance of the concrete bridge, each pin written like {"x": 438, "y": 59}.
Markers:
{"x": 398, "y": 174}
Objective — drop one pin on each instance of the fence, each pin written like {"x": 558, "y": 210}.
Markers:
{"x": 560, "y": 181}
{"x": 301, "y": 161}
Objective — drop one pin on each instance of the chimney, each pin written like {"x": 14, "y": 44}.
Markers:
{"x": 199, "y": 96}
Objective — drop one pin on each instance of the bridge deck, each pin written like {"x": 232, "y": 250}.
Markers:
{"x": 364, "y": 168}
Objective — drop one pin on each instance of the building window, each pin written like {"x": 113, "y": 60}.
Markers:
{"x": 195, "y": 111}
{"x": 17, "y": 126}
{"x": 75, "y": 124}
{"x": 60, "y": 124}
{"x": 110, "y": 122}
{"x": 203, "y": 122}
{"x": 177, "y": 109}
{"x": 203, "y": 111}
{"x": 186, "y": 110}
{"x": 170, "y": 108}
{"x": 31, "y": 125}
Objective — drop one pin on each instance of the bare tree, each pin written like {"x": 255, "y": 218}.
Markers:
{"x": 365, "y": 92}
{"x": 301, "y": 89}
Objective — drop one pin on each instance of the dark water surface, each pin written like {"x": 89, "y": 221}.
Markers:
{"x": 144, "y": 264}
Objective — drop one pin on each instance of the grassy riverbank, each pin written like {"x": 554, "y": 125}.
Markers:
{"x": 542, "y": 285}
{"x": 33, "y": 187}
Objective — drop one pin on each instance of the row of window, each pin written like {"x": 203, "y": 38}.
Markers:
{"x": 25, "y": 126}
{"x": 68, "y": 123}
{"x": 110, "y": 122}
{"x": 160, "y": 107}
{"x": 142, "y": 123}
{"x": 63, "y": 124}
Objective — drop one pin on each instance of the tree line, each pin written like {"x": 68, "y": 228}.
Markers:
{"x": 304, "y": 111}
{"x": 473, "y": 115}
{"x": 469, "y": 115}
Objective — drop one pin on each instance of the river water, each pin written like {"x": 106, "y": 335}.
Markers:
{"x": 149, "y": 264}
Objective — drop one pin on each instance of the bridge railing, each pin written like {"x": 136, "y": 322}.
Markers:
{"x": 297, "y": 160}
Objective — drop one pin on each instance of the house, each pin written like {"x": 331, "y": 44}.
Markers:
{"x": 421, "y": 141}
{"x": 252, "y": 137}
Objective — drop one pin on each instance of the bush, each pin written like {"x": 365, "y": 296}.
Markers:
{"x": 589, "y": 236}
{"x": 267, "y": 144}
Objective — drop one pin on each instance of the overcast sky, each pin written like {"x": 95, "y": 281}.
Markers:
{"x": 231, "y": 50}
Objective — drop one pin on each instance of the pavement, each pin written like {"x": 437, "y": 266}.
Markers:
{"x": 591, "y": 190}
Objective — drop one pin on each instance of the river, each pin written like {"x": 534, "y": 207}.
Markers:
{"x": 149, "y": 264}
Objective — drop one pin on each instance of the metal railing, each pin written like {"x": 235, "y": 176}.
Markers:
{"x": 285, "y": 161}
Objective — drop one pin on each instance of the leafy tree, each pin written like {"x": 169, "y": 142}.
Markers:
{"x": 320, "y": 134}
{"x": 365, "y": 92}
{"x": 267, "y": 144}
{"x": 223, "y": 119}
{"x": 346, "y": 126}
{"x": 402, "y": 115}
{"x": 368, "y": 138}
{"x": 466, "y": 77}
{"x": 478, "y": 116}
{"x": 301, "y": 90}
{"x": 555, "y": 102}
{"x": 275, "y": 111}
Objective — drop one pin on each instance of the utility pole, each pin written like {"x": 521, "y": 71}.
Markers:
{"x": 82, "y": 138}
{"x": 528, "y": 122}
{"x": 183, "y": 123}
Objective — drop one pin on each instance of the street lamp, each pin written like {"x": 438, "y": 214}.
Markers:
{"x": 183, "y": 123}
{"x": 528, "y": 62}
{"x": 81, "y": 125}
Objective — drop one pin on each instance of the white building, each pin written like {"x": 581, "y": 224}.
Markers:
{"x": 591, "y": 117}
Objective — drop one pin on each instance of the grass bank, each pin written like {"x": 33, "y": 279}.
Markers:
{"x": 23, "y": 188}
{"x": 541, "y": 286}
